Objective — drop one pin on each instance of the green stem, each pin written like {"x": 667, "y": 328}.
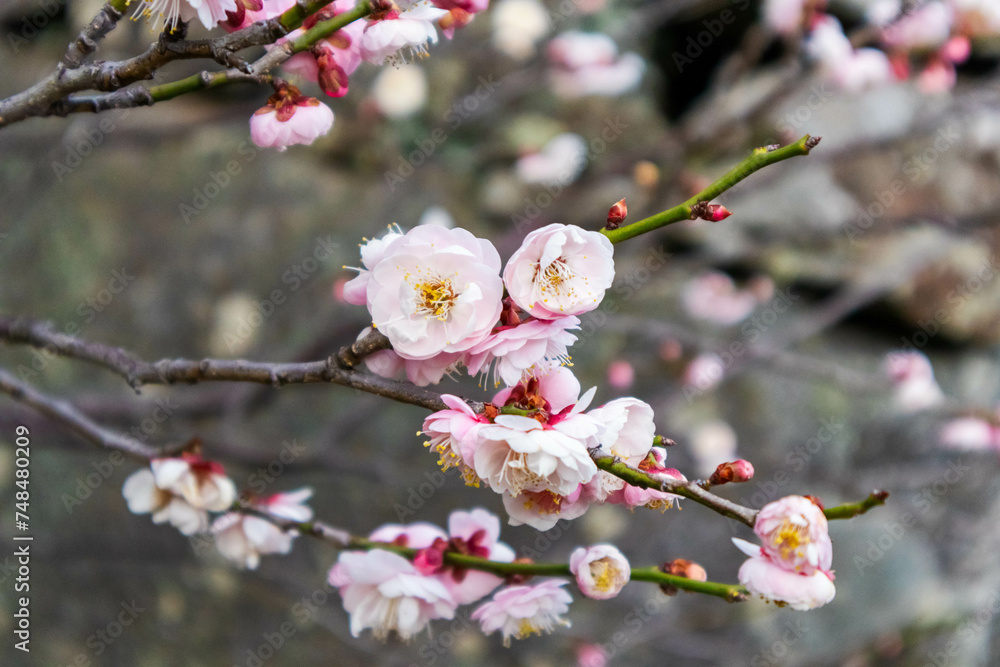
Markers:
{"x": 326, "y": 28}
{"x": 760, "y": 158}
{"x": 120, "y": 5}
{"x": 851, "y": 510}
{"x": 728, "y": 592}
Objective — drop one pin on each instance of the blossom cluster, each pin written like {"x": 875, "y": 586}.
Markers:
{"x": 928, "y": 38}
{"x": 183, "y": 490}
{"x": 390, "y": 594}
{"x": 792, "y": 566}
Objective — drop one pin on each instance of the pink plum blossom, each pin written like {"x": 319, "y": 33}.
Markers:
{"x": 202, "y": 484}
{"x": 511, "y": 350}
{"x": 787, "y": 17}
{"x": 621, "y": 375}
{"x": 244, "y": 538}
{"x": 420, "y": 372}
{"x": 704, "y": 372}
{"x": 143, "y": 496}
{"x": 632, "y": 496}
{"x": 452, "y": 436}
{"x": 795, "y": 534}
{"x": 522, "y": 611}
{"x": 476, "y": 533}
{"x": 627, "y": 434}
{"x": 560, "y": 270}
{"x": 544, "y": 509}
{"x": 460, "y": 13}
{"x": 289, "y": 118}
{"x": 209, "y": 12}
{"x": 435, "y": 290}
{"x": 385, "y": 592}
{"x": 332, "y": 60}
{"x": 589, "y": 64}
{"x": 372, "y": 252}
{"x": 389, "y": 30}
{"x": 601, "y": 570}
{"x": 559, "y": 162}
{"x": 912, "y": 379}
{"x": 762, "y": 576}
{"x": 926, "y": 27}
{"x": 970, "y": 434}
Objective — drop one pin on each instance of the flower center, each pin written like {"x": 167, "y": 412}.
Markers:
{"x": 435, "y": 298}
{"x": 555, "y": 276}
{"x": 789, "y": 538}
{"x": 526, "y": 628}
{"x": 603, "y": 573}
{"x": 517, "y": 474}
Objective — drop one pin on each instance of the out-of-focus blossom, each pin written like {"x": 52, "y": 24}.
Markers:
{"x": 601, "y": 570}
{"x": 976, "y": 18}
{"x": 143, "y": 496}
{"x": 926, "y": 27}
{"x": 621, "y": 375}
{"x": 518, "y": 25}
{"x": 788, "y": 17}
{"x": 202, "y": 483}
{"x": 712, "y": 443}
{"x": 435, "y": 290}
{"x": 704, "y": 372}
{"x": 385, "y": 592}
{"x": 712, "y": 296}
{"x": 559, "y": 162}
{"x": 401, "y": 91}
{"x": 244, "y": 538}
{"x": 475, "y": 533}
{"x": 522, "y": 611}
{"x": 560, "y": 270}
{"x": 591, "y": 655}
{"x": 391, "y": 30}
{"x": 583, "y": 63}
{"x": 912, "y": 379}
{"x": 289, "y": 118}
{"x": 970, "y": 434}
{"x": 460, "y": 13}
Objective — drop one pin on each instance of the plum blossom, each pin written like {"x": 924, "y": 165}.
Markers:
{"x": 332, "y": 60}
{"x": 400, "y": 92}
{"x": 511, "y": 350}
{"x": 632, "y": 496}
{"x": 289, "y": 118}
{"x": 601, "y": 570}
{"x": 390, "y": 29}
{"x": 244, "y": 538}
{"x": 621, "y": 374}
{"x": 850, "y": 69}
{"x": 543, "y": 509}
{"x": 452, "y": 436}
{"x": 712, "y": 443}
{"x": 209, "y": 12}
{"x": 385, "y": 592}
{"x": 762, "y": 576}
{"x": 628, "y": 435}
{"x": 560, "y": 270}
{"x": 372, "y": 252}
{"x": 420, "y": 372}
{"x": 434, "y": 290}
{"x": 970, "y": 433}
{"x": 559, "y": 162}
{"x": 202, "y": 484}
{"x": 713, "y": 297}
{"x": 589, "y": 64}
{"x": 475, "y": 533}
{"x": 460, "y": 13}
{"x": 518, "y": 25}
{"x": 703, "y": 373}
{"x": 143, "y": 496}
{"x": 247, "y": 12}
{"x": 912, "y": 378}
{"x": 926, "y": 27}
{"x": 522, "y": 611}
{"x": 795, "y": 534}
{"x": 787, "y": 17}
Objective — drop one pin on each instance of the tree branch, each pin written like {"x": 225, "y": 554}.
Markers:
{"x": 86, "y": 42}
{"x": 851, "y": 510}
{"x": 760, "y": 158}
{"x": 76, "y": 421}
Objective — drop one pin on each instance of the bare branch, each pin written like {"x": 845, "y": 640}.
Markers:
{"x": 86, "y": 43}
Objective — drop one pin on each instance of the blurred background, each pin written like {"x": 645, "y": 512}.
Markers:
{"x": 765, "y": 336}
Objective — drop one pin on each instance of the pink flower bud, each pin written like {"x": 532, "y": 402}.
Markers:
{"x": 733, "y": 471}
{"x": 601, "y": 570}
{"x": 617, "y": 213}
{"x": 682, "y": 567}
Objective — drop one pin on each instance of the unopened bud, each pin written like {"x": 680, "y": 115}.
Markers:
{"x": 681, "y": 567}
{"x": 732, "y": 472}
{"x": 815, "y": 501}
{"x": 617, "y": 214}
{"x": 514, "y": 579}
{"x": 710, "y": 212}
{"x": 430, "y": 560}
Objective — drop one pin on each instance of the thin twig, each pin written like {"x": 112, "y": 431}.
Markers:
{"x": 86, "y": 42}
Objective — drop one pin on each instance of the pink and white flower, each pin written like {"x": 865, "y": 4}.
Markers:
{"x": 970, "y": 434}
{"x": 912, "y": 379}
{"x": 385, "y": 592}
{"x": 788, "y": 17}
{"x": 560, "y": 270}
{"x": 795, "y": 534}
{"x": 452, "y": 436}
{"x": 435, "y": 290}
{"x": 511, "y": 350}
{"x": 475, "y": 533}
{"x": 244, "y": 538}
{"x": 420, "y": 372}
{"x": 460, "y": 13}
{"x": 289, "y": 118}
{"x": 389, "y": 30}
{"x": 712, "y": 296}
{"x": 209, "y": 12}
{"x": 926, "y": 27}
{"x": 143, "y": 496}
{"x": 589, "y": 64}
{"x": 704, "y": 373}
{"x": 601, "y": 570}
{"x": 372, "y": 252}
{"x": 631, "y": 496}
{"x": 762, "y": 576}
{"x": 628, "y": 434}
{"x": 559, "y": 162}
{"x": 522, "y": 611}
{"x": 202, "y": 484}
{"x": 543, "y": 509}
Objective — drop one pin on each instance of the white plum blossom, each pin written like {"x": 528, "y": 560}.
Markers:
{"x": 785, "y": 17}
{"x": 970, "y": 434}
{"x": 560, "y": 270}
{"x": 143, "y": 496}
{"x": 518, "y": 26}
{"x": 435, "y": 290}
{"x": 244, "y": 538}
{"x": 601, "y": 570}
{"x": 452, "y": 436}
{"x": 290, "y": 118}
{"x": 201, "y": 483}
{"x": 372, "y": 252}
{"x": 712, "y": 296}
{"x": 585, "y": 63}
{"x": 762, "y": 576}
{"x": 912, "y": 378}
{"x": 391, "y": 30}
{"x": 522, "y": 611}
{"x": 478, "y": 534}
{"x": 544, "y": 509}
{"x": 511, "y": 350}
{"x": 559, "y": 162}
{"x": 400, "y": 92}
{"x": 385, "y": 592}
{"x": 209, "y": 12}
{"x": 628, "y": 435}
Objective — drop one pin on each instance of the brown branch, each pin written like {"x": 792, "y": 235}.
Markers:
{"x": 76, "y": 421}
{"x": 169, "y": 371}
{"x": 86, "y": 43}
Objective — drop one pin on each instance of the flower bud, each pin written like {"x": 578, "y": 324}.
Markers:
{"x": 733, "y": 471}
{"x": 682, "y": 567}
{"x": 617, "y": 213}
{"x": 601, "y": 570}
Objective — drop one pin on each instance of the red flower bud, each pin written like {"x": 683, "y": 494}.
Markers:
{"x": 617, "y": 214}
{"x": 682, "y": 567}
{"x": 734, "y": 471}
{"x": 430, "y": 560}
